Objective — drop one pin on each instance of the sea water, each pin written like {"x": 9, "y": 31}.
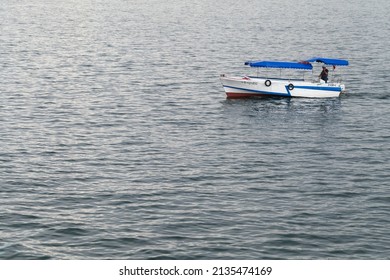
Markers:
{"x": 117, "y": 140}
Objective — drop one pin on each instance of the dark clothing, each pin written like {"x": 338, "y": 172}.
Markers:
{"x": 324, "y": 75}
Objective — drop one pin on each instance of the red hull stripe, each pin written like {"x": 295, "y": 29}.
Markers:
{"x": 244, "y": 95}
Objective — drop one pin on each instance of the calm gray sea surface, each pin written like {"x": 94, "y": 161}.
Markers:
{"x": 117, "y": 141}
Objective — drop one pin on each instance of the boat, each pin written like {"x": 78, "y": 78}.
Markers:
{"x": 260, "y": 86}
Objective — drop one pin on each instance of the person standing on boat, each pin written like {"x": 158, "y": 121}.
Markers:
{"x": 324, "y": 74}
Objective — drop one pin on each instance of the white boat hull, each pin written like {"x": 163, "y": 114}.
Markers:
{"x": 241, "y": 87}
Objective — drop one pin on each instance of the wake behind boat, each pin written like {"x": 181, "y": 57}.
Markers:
{"x": 256, "y": 86}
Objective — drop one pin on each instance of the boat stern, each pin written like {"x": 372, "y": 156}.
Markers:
{"x": 238, "y": 87}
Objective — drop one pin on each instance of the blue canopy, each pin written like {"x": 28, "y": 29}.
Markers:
{"x": 280, "y": 64}
{"x": 329, "y": 61}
